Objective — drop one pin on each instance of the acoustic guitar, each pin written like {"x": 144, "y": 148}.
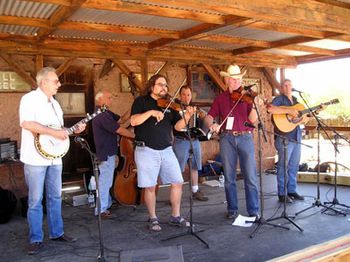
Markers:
{"x": 286, "y": 123}
{"x": 51, "y": 148}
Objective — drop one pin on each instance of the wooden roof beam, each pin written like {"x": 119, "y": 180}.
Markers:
{"x": 154, "y": 9}
{"x": 199, "y": 29}
{"x": 302, "y": 13}
{"x": 18, "y": 69}
{"x": 63, "y": 67}
{"x": 119, "y": 29}
{"x": 39, "y": 62}
{"x": 125, "y": 70}
{"x": 62, "y": 13}
{"x": 344, "y": 53}
{"x": 271, "y": 78}
{"x": 215, "y": 76}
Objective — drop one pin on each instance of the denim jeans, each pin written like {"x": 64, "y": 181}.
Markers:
{"x": 182, "y": 149}
{"x": 36, "y": 177}
{"x": 293, "y": 159}
{"x": 105, "y": 181}
{"x": 241, "y": 148}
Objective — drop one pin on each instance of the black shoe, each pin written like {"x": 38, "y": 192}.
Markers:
{"x": 65, "y": 238}
{"x": 295, "y": 196}
{"x": 281, "y": 199}
{"x": 232, "y": 216}
{"x": 34, "y": 248}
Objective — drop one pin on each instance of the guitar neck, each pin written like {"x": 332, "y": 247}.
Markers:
{"x": 306, "y": 111}
{"x": 71, "y": 129}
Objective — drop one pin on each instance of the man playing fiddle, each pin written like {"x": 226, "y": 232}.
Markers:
{"x": 154, "y": 155}
{"x": 236, "y": 142}
{"x": 182, "y": 146}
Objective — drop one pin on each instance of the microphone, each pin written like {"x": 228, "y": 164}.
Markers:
{"x": 248, "y": 87}
{"x": 295, "y": 90}
{"x": 248, "y": 124}
{"x": 79, "y": 139}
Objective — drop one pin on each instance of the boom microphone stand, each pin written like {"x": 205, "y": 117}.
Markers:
{"x": 335, "y": 200}
{"x": 317, "y": 202}
{"x": 191, "y": 230}
{"x": 84, "y": 144}
{"x": 261, "y": 221}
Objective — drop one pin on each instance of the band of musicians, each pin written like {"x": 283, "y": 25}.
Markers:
{"x": 165, "y": 133}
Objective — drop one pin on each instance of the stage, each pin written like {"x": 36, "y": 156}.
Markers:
{"x": 127, "y": 230}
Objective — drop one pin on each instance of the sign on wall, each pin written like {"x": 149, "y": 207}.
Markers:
{"x": 12, "y": 82}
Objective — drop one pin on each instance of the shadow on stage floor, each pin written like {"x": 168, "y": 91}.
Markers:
{"x": 127, "y": 230}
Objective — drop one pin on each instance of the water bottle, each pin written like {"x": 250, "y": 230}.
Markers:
{"x": 92, "y": 185}
{"x": 221, "y": 180}
{"x": 91, "y": 200}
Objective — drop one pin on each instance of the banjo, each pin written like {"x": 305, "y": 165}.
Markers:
{"x": 51, "y": 148}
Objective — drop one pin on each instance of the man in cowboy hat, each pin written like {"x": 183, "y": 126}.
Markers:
{"x": 236, "y": 142}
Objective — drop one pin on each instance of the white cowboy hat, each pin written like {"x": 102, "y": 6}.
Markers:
{"x": 233, "y": 71}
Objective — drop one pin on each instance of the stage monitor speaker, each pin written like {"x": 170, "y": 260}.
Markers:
{"x": 161, "y": 254}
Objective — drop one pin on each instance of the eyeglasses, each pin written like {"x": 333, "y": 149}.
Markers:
{"x": 161, "y": 85}
{"x": 55, "y": 81}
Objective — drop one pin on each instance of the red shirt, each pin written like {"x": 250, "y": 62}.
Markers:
{"x": 223, "y": 104}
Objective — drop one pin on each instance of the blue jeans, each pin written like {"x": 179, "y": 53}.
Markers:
{"x": 182, "y": 151}
{"x": 241, "y": 148}
{"x": 36, "y": 177}
{"x": 293, "y": 159}
{"x": 105, "y": 181}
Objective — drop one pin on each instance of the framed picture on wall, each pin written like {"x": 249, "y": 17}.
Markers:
{"x": 204, "y": 89}
{"x": 72, "y": 103}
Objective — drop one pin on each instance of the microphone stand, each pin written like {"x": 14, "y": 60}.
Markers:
{"x": 191, "y": 230}
{"x": 317, "y": 202}
{"x": 84, "y": 144}
{"x": 335, "y": 200}
{"x": 261, "y": 221}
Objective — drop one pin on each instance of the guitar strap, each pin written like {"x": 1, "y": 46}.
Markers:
{"x": 54, "y": 110}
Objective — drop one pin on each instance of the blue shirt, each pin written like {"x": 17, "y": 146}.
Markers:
{"x": 283, "y": 100}
{"x": 105, "y": 128}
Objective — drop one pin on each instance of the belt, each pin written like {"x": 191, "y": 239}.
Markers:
{"x": 237, "y": 133}
{"x": 184, "y": 138}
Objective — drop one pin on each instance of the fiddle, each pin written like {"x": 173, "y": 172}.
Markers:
{"x": 174, "y": 104}
{"x": 243, "y": 94}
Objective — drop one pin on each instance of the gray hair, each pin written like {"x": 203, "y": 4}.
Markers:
{"x": 43, "y": 73}
{"x": 99, "y": 95}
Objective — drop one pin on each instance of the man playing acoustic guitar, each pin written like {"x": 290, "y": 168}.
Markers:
{"x": 38, "y": 111}
{"x": 280, "y": 105}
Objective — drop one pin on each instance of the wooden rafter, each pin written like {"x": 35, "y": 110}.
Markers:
{"x": 106, "y": 68}
{"x": 199, "y": 29}
{"x": 214, "y": 76}
{"x": 125, "y": 70}
{"x": 63, "y": 67}
{"x": 39, "y": 62}
{"x": 144, "y": 72}
{"x": 315, "y": 14}
{"x": 271, "y": 78}
{"x": 59, "y": 16}
{"x": 18, "y": 69}
{"x": 104, "y": 50}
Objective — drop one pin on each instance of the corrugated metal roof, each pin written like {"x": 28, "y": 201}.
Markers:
{"x": 18, "y": 30}
{"x": 329, "y": 44}
{"x": 27, "y": 9}
{"x": 168, "y": 5}
{"x": 123, "y": 18}
{"x": 92, "y": 35}
{"x": 251, "y": 33}
{"x": 286, "y": 52}
{"x": 209, "y": 44}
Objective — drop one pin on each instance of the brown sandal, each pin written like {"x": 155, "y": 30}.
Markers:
{"x": 154, "y": 224}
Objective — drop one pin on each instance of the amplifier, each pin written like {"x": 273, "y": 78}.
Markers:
{"x": 8, "y": 149}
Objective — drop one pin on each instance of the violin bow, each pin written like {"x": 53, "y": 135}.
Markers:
{"x": 174, "y": 96}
